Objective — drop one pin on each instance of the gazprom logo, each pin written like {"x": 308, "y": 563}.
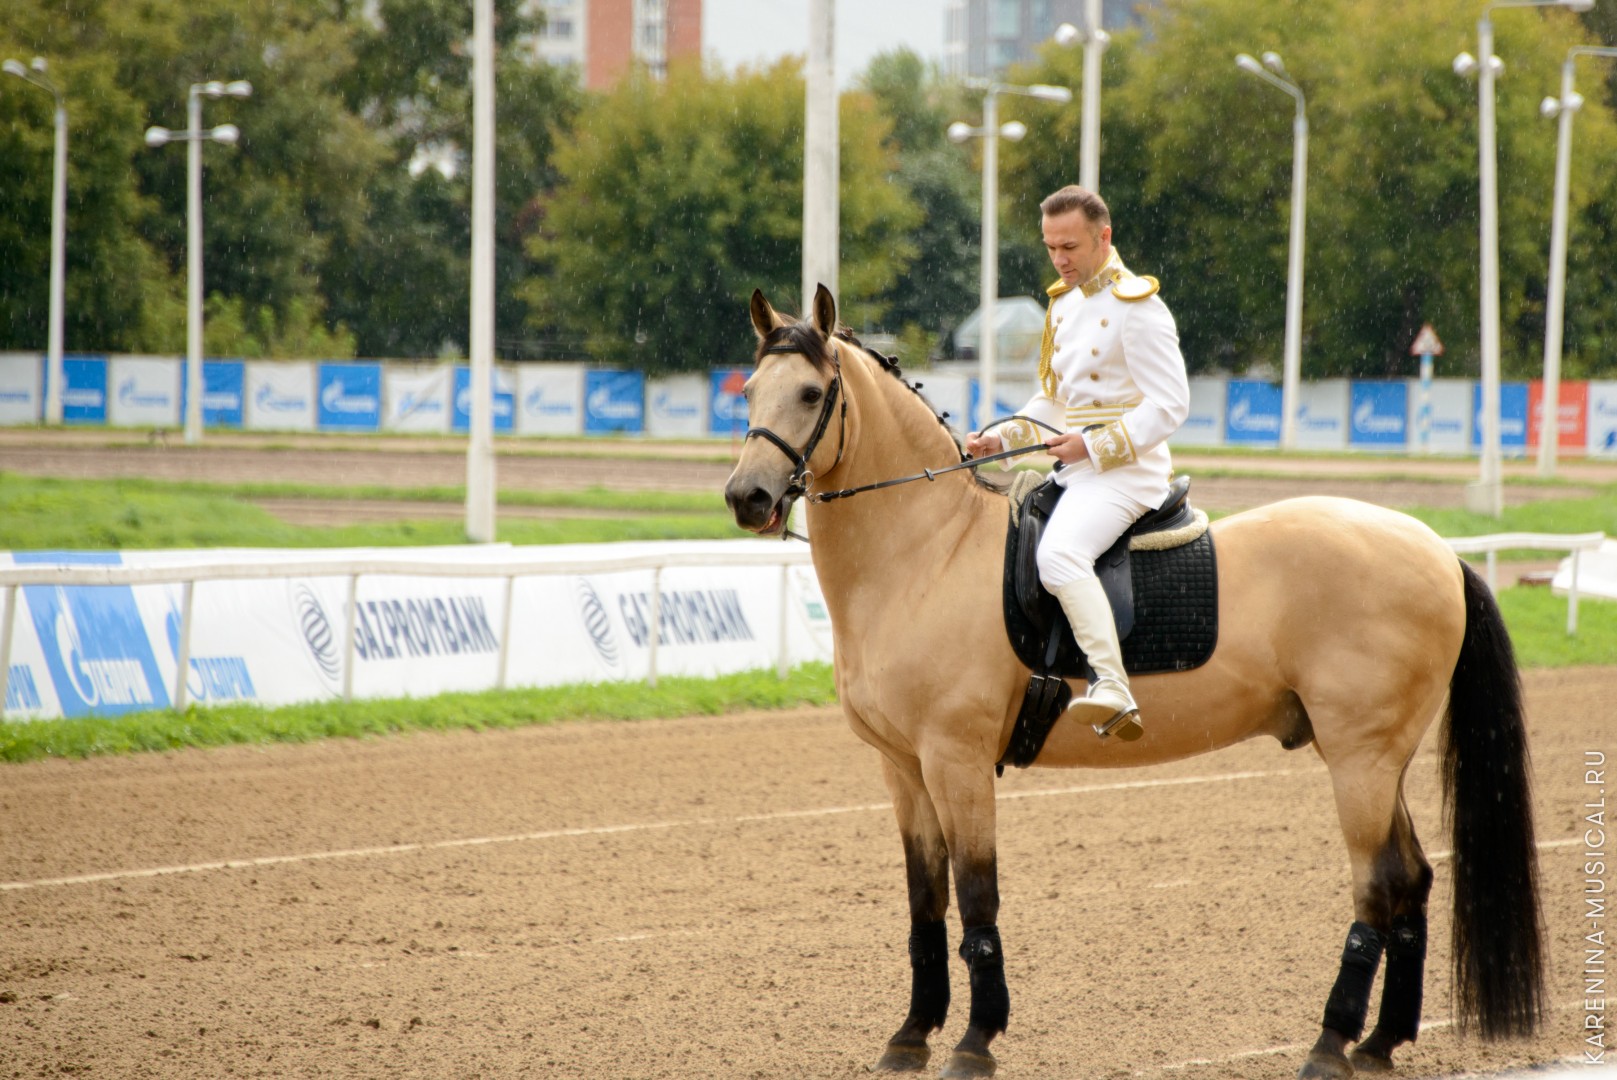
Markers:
{"x": 270, "y": 401}
{"x": 129, "y": 393}
{"x": 538, "y": 404}
{"x": 1242, "y": 418}
{"x": 669, "y": 407}
{"x": 319, "y": 636}
{"x": 1366, "y": 421}
{"x": 335, "y": 400}
{"x": 82, "y": 397}
{"x": 7, "y": 394}
{"x": 1310, "y": 421}
{"x": 597, "y": 624}
{"x": 502, "y": 403}
{"x": 603, "y": 405}
{"x": 412, "y": 404}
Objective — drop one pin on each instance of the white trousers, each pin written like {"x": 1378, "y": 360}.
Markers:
{"x": 1088, "y": 520}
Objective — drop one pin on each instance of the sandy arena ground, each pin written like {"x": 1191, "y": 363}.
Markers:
{"x": 714, "y": 897}
{"x": 707, "y": 897}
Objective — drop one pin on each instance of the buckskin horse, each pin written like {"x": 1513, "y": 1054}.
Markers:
{"x": 1341, "y": 624}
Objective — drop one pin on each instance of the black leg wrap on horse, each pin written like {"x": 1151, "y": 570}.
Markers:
{"x": 1350, "y": 997}
{"x": 929, "y": 974}
{"x": 990, "y": 998}
{"x": 1401, "y": 989}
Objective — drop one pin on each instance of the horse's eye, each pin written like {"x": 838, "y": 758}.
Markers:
{"x": 812, "y": 395}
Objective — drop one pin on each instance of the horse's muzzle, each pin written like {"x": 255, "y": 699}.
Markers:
{"x": 756, "y": 509}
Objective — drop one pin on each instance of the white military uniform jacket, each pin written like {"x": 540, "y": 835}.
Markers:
{"x": 1117, "y": 378}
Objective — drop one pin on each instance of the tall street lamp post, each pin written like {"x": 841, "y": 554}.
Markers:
{"x": 1094, "y": 41}
{"x": 1563, "y": 107}
{"x": 1485, "y": 495}
{"x": 195, "y": 135}
{"x": 1273, "y": 71}
{"x": 34, "y": 74}
{"x": 990, "y": 132}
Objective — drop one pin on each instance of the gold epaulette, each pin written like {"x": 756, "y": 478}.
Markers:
{"x": 1132, "y": 288}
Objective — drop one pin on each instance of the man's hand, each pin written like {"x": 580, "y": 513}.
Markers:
{"x": 980, "y": 445}
{"x": 1068, "y": 449}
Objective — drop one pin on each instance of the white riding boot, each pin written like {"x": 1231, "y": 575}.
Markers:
{"x": 1109, "y": 707}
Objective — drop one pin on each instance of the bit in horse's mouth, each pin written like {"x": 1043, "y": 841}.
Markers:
{"x": 777, "y": 517}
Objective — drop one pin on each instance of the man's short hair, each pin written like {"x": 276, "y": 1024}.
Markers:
{"x": 1072, "y": 197}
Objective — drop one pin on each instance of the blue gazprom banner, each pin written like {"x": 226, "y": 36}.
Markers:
{"x": 84, "y": 393}
{"x": 614, "y": 401}
{"x": 95, "y": 645}
{"x": 1252, "y": 413}
{"x": 727, "y": 407}
{"x": 350, "y": 397}
{"x": 1512, "y": 418}
{"x": 505, "y": 401}
{"x": 224, "y": 393}
{"x": 1379, "y": 414}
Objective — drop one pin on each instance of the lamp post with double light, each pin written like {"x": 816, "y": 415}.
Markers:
{"x": 990, "y": 133}
{"x": 34, "y": 75}
{"x": 1094, "y": 41}
{"x": 195, "y": 135}
{"x": 1273, "y": 71}
{"x": 1486, "y": 494}
{"x": 1563, "y": 108}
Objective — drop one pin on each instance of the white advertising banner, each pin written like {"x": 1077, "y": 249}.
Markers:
{"x": 416, "y": 397}
{"x": 1451, "y": 416}
{"x": 1204, "y": 426}
{"x": 105, "y": 650}
{"x": 280, "y": 395}
{"x": 676, "y": 406}
{"x": 1603, "y": 418}
{"x": 22, "y": 388}
{"x": 947, "y": 393}
{"x": 550, "y": 399}
{"x": 144, "y": 391}
{"x": 1322, "y": 415}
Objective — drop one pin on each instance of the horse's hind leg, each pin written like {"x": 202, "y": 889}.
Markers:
{"x": 926, "y": 866}
{"x": 1405, "y": 897}
{"x": 1391, "y": 880}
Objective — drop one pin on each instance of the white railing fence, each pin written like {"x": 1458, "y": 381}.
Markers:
{"x": 1575, "y": 544}
{"x": 13, "y": 578}
{"x": 785, "y": 557}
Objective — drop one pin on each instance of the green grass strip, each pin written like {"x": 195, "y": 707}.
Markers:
{"x": 247, "y": 723}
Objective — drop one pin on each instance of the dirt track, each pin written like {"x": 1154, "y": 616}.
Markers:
{"x": 718, "y": 897}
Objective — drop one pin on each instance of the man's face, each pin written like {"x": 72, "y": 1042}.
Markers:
{"x": 1077, "y": 250}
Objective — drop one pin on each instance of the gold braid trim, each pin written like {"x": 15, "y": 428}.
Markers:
{"x": 1109, "y": 272}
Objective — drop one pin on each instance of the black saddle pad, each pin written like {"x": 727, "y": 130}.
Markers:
{"x": 1173, "y": 624}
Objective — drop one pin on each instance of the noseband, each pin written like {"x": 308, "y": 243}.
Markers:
{"x": 797, "y": 484}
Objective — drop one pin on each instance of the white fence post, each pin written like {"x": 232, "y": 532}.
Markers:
{"x": 350, "y": 622}
{"x": 505, "y": 633}
{"x": 783, "y": 664}
{"x": 656, "y": 631}
{"x": 182, "y": 657}
{"x": 5, "y": 646}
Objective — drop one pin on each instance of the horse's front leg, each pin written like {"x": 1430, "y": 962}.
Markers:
{"x": 926, "y": 866}
{"x": 961, "y": 784}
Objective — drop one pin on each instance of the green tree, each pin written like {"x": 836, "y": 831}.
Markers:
{"x": 940, "y": 180}
{"x": 1197, "y": 160}
{"x": 677, "y": 198}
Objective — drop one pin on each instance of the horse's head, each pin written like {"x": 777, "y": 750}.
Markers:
{"x": 793, "y": 398}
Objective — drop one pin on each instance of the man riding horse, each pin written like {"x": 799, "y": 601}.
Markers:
{"x": 1111, "y": 378}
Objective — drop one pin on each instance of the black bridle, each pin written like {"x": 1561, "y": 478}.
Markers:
{"x": 797, "y": 484}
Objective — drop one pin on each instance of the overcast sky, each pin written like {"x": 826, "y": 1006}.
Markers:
{"x": 736, "y": 32}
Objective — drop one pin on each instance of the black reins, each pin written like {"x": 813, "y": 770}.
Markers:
{"x": 797, "y": 484}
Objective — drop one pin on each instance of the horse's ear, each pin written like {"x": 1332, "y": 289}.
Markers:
{"x": 825, "y": 311}
{"x": 764, "y": 318}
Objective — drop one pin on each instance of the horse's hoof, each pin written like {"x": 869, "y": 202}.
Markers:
{"x": 1321, "y": 1066}
{"x": 904, "y": 1057}
{"x": 968, "y": 1065}
{"x": 1365, "y": 1062}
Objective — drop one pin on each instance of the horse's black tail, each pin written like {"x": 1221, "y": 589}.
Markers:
{"x": 1498, "y": 939}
